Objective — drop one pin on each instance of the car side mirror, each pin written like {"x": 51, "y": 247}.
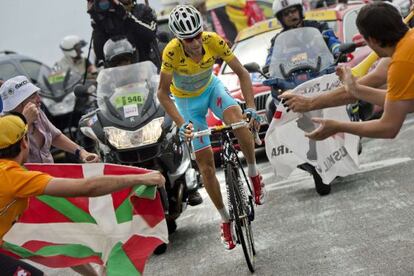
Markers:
{"x": 252, "y": 67}
{"x": 359, "y": 40}
{"x": 81, "y": 91}
{"x": 347, "y": 48}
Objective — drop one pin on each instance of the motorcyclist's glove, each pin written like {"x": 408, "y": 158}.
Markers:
{"x": 182, "y": 129}
{"x": 253, "y": 114}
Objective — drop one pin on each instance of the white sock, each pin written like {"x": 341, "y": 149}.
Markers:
{"x": 252, "y": 170}
{"x": 224, "y": 214}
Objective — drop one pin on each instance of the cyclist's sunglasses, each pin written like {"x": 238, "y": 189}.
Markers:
{"x": 189, "y": 40}
{"x": 289, "y": 11}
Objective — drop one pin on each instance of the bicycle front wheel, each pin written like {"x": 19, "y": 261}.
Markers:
{"x": 240, "y": 208}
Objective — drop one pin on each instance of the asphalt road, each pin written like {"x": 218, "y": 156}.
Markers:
{"x": 364, "y": 227}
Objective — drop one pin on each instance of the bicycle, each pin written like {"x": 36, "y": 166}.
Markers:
{"x": 241, "y": 207}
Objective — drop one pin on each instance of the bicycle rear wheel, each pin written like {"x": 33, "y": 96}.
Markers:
{"x": 240, "y": 208}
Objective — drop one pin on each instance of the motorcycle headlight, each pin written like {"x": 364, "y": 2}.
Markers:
{"x": 124, "y": 139}
{"x": 60, "y": 108}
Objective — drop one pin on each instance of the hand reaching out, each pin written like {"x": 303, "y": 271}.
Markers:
{"x": 345, "y": 75}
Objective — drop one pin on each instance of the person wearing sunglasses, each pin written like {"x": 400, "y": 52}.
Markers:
{"x": 290, "y": 15}
{"x": 187, "y": 70}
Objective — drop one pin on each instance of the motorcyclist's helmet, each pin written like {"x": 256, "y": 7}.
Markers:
{"x": 72, "y": 45}
{"x": 119, "y": 51}
{"x": 280, "y": 5}
{"x": 185, "y": 21}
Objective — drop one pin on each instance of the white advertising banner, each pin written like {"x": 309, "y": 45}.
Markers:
{"x": 286, "y": 144}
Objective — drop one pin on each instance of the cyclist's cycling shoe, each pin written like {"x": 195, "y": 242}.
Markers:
{"x": 227, "y": 236}
{"x": 194, "y": 198}
{"x": 258, "y": 189}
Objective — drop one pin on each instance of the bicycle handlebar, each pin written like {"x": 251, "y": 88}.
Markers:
{"x": 217, "y": 129}
{"x": 221, "y": 128}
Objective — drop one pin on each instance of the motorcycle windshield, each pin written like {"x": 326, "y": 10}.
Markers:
{"x": 59, "y": 84}
{"x": 299, "y": 49}
{"x": 127, "y": 94}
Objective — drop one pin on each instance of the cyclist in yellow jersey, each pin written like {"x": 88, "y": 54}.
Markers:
{"x": 187, "y": 71}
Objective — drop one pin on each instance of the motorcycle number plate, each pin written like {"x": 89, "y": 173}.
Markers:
{"x": 129, "y": 99}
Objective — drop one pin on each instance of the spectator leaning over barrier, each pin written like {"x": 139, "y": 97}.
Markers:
{"x": 385, "y": 32}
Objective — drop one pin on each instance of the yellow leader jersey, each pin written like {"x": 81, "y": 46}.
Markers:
{"x": 190, "y": 78}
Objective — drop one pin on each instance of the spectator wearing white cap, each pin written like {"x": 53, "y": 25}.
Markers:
{"x": 18, "y": 94}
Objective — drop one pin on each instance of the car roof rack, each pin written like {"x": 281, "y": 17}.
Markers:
{"x": 7, "y": 52}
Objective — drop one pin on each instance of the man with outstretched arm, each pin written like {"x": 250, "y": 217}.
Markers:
{"x": 385, "y": 32}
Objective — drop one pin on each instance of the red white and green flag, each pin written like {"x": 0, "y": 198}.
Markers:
{"x": 120, "y": 230}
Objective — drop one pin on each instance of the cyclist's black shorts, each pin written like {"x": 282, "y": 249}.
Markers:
{"x": 11, "y": 266}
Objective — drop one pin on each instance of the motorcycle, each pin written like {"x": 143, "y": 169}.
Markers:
{"x": 61, "y": 106}
{"x": 299, "y": 55}
{"x": 130, "y": 127}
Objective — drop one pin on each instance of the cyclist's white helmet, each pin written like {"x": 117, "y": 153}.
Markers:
{"x": 70, "y": 43}
{"x": 185, "y": 21}
{"x": 280, "y": 5}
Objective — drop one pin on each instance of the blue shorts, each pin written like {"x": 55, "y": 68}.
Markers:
{"x": 194, "y": 109}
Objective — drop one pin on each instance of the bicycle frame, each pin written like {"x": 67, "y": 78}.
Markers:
{"x": 229, "y": 154}
{"x": 241, "y": 205}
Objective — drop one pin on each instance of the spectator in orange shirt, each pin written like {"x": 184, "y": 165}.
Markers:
{"x": 385, "y": 32}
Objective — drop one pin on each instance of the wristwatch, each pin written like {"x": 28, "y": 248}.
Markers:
{"x": 77, "y": 152}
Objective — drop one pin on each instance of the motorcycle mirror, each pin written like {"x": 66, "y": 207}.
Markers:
{"x": 80, "y": 91}
{"x": 252, "y": 67}
{"x": 359, "y": 40}
{"x": 347, "y": 48}
{"x": 163, "y": 37}
{"x": 66, "y": 79}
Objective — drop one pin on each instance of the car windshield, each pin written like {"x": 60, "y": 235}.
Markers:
{"x": 126, "y": 94}
{"x": 253, "y": 49}
{"x": 350, "y": 28}
{"x": 299, "y": 48}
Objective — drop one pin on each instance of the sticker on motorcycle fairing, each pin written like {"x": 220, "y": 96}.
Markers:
{"x": 299, "y": 57}
{"x": 129, "y": 99}
{"x": 56, "y": 78}
{"x": 130, "y": 110}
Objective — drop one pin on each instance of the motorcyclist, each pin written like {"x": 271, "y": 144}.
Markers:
{"x": 71, "y": 47}
{"x": 124, "y": 17}
{"x": 120, "y": 52}
{"x": 290, "y": 15}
